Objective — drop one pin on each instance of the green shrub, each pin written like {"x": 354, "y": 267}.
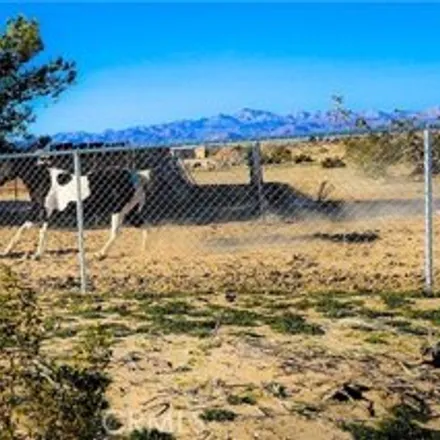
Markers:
{"x": 41, "y": 398}
{"x": 294, "y": 324}
{"x": 218, "y": 415}
{"x": 394, "y": 300}
{"x": 246, "y": 399}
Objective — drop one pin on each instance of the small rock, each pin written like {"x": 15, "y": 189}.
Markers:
{"x": 230, "y": 296}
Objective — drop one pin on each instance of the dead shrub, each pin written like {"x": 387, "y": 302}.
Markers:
{"x": 333, "y": 162}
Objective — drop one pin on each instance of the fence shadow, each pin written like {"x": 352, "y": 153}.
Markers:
{"x": 192, "y": 204}
{"x": 206, "y": 204}
{"x": 222, "y": 203}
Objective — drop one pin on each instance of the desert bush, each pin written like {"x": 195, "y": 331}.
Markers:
{"x": 231, "y": 156}
{"x": 333, "y": 162}
{"x": 218, "y": 415}
{"x": 41, "y": 398}
{"x": 275, "y": 154}
{"x": 374, "y": 152}
{"x": 302, "y": 158}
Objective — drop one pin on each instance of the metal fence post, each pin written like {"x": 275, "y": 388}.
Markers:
{"x": 256, "y": 177}
{"x": 80, "y": 221}
{"x": 428, "y": 212}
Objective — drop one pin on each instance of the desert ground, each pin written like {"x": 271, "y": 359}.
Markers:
{"x": 309, "y": 328}
{"x": 376, "y": 244}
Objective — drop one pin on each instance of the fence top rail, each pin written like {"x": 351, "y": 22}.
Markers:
{"x": 208, "y": 144}
{"x": 72, "y": 152}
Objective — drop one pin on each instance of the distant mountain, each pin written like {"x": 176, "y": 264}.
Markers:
{"x": 243, "y": 125}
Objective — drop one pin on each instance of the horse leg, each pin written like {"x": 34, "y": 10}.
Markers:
{"x": 16, "y": 237}
{"x": 42, "y": 241}
{"x": 144, "y": 237}
{"x": 144, "y": 226}
{"x": 117, "y": 220}
{"x": 139, "y": 199}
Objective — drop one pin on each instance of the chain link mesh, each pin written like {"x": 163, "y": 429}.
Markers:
{"x": 317, "y": 214}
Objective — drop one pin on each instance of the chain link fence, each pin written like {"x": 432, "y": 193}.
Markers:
{"x": 309, "y": 214}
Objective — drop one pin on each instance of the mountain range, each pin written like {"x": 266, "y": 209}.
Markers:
{"x": 246, "y": 124}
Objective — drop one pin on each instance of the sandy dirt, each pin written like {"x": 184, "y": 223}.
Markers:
{"x": 265, "y": 254}
{"x": 254, "y": 255}
{"x": 167, "y": 376}
{"x": 177, "y": 355}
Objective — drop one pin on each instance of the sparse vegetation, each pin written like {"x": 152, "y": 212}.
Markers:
{"x": 277, "y": 389}
{"x": 374, "y": 313}
{"x": 238, "y": 317}
{"x": 394, "y": 300}
{"x": 218, "y": 415}
{"x": 246, "y": 399}
{"x": 302, "y": 158}
{"x": 332, "y": 308}
{"x": 181, "y": 325}
{"x": 408, "y": 327}
{"x": 294, "y": 324}
{"x": 375, "y": 152}
{"x": 333, "y": 162}
{"x": 428, "y": 315}
{"x": 403, "y": 423}
{"x": 377, "y": 338}
{"x": 175, "y": 314}
{"x": 171, "y": 308}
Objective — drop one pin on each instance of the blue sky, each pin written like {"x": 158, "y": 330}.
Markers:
{"x": 143, "y": 63}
